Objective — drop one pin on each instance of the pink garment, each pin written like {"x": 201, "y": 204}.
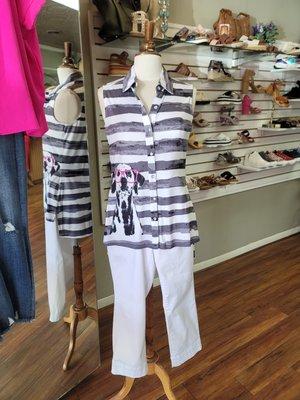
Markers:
{"x": 22, "y": 93}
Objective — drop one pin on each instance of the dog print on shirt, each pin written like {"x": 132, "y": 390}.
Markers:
{"x": 125, "y": 183}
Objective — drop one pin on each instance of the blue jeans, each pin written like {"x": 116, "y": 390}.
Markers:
{"x": 17, "y": 302}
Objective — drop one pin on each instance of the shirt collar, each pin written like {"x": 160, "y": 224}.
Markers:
{"x": 165, "y": 81}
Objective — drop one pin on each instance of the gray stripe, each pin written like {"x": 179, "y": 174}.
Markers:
{"x": 71, "y": 196}
{"x": 64, "y": 144}
{"x": 143, "y": 166}
{"x": 162, "y": 213}
{"x": 138, "y": 147}
{"x": 73, "y": 233}
{"x": 124, "y": 127}
{"x": 148, "y": 243}
{"x": 66, "y": 128}
{"x": 173, "y": 124}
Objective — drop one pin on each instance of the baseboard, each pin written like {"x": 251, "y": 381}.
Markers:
{"x": 106, "y": 301}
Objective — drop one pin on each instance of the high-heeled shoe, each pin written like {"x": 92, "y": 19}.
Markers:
{"x": 248, "y": 83}
{"x": 274, "y": 90}
{"x": 247, "y": 109}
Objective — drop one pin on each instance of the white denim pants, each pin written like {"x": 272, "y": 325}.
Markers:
{"x": 133, "y": 271}
{"x": 60, "y": 269}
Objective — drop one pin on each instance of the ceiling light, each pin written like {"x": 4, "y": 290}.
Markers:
{"x": 69, "y": 3}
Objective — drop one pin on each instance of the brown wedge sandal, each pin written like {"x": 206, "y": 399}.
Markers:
{"x": 274, "y": 90}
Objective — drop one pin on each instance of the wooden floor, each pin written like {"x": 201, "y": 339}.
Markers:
{"x": 31, "y": 355}
{"x": 249, "y": 310}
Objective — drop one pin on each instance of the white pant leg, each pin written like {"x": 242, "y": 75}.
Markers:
{"x": 60, "y": 269}
{"x": 133, "y": 272}
{"x": 175, "y": 270}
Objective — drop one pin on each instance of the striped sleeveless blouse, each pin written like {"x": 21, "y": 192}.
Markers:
{"x": 148, "y": 203}
{"x": 66, "y": 168}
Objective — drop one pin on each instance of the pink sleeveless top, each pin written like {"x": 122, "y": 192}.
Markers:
{"x": 22, "y": 92}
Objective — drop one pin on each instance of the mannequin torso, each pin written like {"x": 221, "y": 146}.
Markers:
{"x": 148, "y": 69}
{"x": 67, "y": 106}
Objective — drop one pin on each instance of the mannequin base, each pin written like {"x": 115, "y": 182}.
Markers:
{"x": 76, "y": 315}
{"x": 154, "y": 368}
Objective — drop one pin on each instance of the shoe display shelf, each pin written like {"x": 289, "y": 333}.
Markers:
{"x": 201, "y": 162}
{"x": 280, "y": 131}
{"x": 246, "y": 168}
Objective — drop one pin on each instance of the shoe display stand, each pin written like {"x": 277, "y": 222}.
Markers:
{"x": 201, "y": 162}
{"x": 279, "y": 130}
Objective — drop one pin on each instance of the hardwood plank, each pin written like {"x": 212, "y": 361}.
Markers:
{"x": 261, "y": 318}
{"x": 273, "y": 365}
{"x": 287, "y": 387}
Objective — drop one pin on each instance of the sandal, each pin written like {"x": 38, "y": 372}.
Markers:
{"x": 229, "y": 177}
{"x": 193, "y": 142}
{"x": 206, "y": 182}
{"x": 226, "y": 120}
{"x": 227, "y": 158}
{"x": 199, "y": 121}
{"x": 247, "y": 108}
{"x": 244, "y": 137}
{"x": 274, "y": 90}
{"x": 191, "y": 184}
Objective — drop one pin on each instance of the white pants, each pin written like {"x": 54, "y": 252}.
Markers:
{"x": 133, "y": 271}
{"x": 60, "y": 269}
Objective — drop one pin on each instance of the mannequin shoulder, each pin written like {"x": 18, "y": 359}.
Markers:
{"x": 67, "y": 106}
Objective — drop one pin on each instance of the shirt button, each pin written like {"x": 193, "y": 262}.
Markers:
{"x": 158, "y": 87}
{"x": 151, "y": 154}
{"x": 154, "y": 218}
{"x": 154, "y": 198}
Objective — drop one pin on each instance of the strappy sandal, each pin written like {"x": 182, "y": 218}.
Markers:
{"x": 193, "y": 142}
{"x": 229, "y": 177}
{"x": 191, "y": 184}
{"x": 244, "y": 137}
{"x": 206, "y": 182}
{"x": 200, "y": 121}
{"x": 274, "y": 90}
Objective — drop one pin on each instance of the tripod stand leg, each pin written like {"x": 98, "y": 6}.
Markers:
{"x": 125, "y": 389}
{"x": 161, "y": 373}
{"x": 73, "y": 330}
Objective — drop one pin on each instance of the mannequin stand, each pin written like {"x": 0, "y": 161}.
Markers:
{"x": 154, "y": 368}
{"x": 80, "y": 310}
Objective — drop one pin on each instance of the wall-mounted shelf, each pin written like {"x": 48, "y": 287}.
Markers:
{"x": 279, "y": 130}
{"x": 202, "y": 162}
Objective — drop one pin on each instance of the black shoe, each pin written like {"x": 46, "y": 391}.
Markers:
{"x": 294, "y": 93}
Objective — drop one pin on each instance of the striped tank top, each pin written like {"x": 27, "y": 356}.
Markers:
{"x": 148, "y": 203}
{"x": 66, "y": 168}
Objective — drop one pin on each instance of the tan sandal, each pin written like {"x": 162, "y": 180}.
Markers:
{"x": 274, "y": 90}
{"x": 193, "y": 142}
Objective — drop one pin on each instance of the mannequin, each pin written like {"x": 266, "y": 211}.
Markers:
{"x": 67, "y": 105}
{"x": 148, "y": 69}
{"x": 140, "y": 229}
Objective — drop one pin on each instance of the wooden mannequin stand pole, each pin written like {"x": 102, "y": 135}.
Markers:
{"x": 154, "y": 368}
{"x": 80, "y": 310}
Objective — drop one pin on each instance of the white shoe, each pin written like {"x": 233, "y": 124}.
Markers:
{"x": 217, "y": 140}
{"x": 255, "y": 160}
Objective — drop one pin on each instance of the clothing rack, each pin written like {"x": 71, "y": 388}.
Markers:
{"x": 79, "y": 311}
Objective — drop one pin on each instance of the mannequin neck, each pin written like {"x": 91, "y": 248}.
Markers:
{"x": 63, "y": 73}
{"x": 147, "y": 67}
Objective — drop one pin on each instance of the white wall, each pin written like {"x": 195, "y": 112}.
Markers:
{"x": 285, "y": 13}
